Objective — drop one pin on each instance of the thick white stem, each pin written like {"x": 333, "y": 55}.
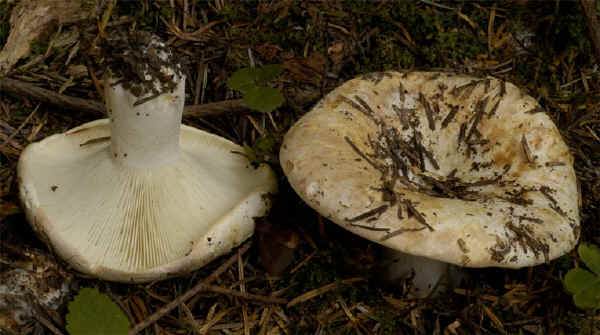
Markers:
{"x": 146, "y": 135}
{"x": 426, "y": 274}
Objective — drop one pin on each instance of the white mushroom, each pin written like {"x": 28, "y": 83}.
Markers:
{"x": 139, "y": 197}
{"x": 461, "y": 170}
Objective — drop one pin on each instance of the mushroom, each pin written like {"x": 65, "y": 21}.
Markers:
{"x": 140, "y": 197}
{"x": 439, "y": 166}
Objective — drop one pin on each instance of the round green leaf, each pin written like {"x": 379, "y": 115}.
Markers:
{"x": 264, "y": 144}
{"x": 267, "y": 73}
{"x": 590, "y": 254}
{"x": 242, "y": 80}
{"x": 590, "y": 298}
{"x": 92, "y": 312}
{"x": 263, "y": 99}
{"x": 578, "y": 280}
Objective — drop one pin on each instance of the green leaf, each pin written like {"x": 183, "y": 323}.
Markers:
{"x": 242, "y": 80}
{"x": 590, "y": 254}
{"x": 92, "y": 312}
{"x": 267, "y": 73}
{"x": 263, "y": 99}
{"x": 246, "y": 79}
{"x": 590, "y": 298}
{"x": 579, "y": 280}
{"x": 250, "y": 153}
{"x": 264, "y": 144}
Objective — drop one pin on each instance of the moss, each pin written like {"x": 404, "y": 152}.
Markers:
{"x": 457, "y": 45}
{"x": 167, "y": 12}
{"x": 579, "y": 323}
{"x": 570, "y": 29}
{"x": 38, "y": 46}
{"x": 441, "y": 37}
{"x": 319, "y": 272}
{"x": 88, "y": 5}
{"x": 236, "y": 13}
{"x": 146, "y": 14}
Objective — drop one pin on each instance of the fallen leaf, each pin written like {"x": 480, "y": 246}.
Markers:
{"x": 276, "y": 246}
{"x": 309, "y": 70}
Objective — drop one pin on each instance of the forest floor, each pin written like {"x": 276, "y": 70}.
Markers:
{"x": 328, "y": 283}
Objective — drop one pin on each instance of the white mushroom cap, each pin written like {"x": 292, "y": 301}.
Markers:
{"x": 127, "y": 224}
{"x": 463, "y": 170}
{"x": 141, "y": 198}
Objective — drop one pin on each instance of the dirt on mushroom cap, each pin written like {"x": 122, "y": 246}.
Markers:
{"x": 460, "y": 169}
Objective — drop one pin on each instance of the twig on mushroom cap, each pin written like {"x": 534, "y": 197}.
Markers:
{"x": 465, "y": 90}
{"x": 400, "y": 231}
{"x": 428, "y": 111}
{"x": 367, "y": 214}
{"x": 417, "y": 214}
{"x": 528, "y": 155}
{"x": 360, "y": 153}
{"x": 450, "y": 116}
{"x": 479, "y": 110}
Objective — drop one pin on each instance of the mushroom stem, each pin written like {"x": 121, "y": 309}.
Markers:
{"x": 145, "y": 130}
{"x": 428, "y": 276}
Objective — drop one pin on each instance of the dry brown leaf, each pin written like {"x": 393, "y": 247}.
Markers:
{"x": 276, "y": 246}
{"x": 308, "y": 70}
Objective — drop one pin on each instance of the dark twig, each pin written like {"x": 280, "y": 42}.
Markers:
{"x": 201, "y": 286}
{"x": 39, "y": 315}
{"x": 21, "y": 89}
{"x": 372, "y": 212}
{"x": 360, "y": 153}
{"x": 245, "y": 295}
{"x": 216, "y": 108}
{"x": 400, "y": 231}
{"x": 417, "y": 214}
{"x": 428, "y": 111}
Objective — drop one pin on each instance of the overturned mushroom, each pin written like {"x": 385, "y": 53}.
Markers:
{"x": 139, "y": 197}
{"x": 456, "y": 169}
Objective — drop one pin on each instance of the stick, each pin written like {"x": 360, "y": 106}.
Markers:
{"x": 9, "y": 138}
{"x": 216, "y": 108}
{"x": 321, "y": 290}
{"x": 19, "y": 88}
{"x": 248, "y": 296}
{"x": 200, "y": 286}
{"x": 40, "y": 316}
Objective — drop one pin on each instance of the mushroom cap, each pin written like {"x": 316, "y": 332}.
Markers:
{"x": 134, "y": 224}
{"x": 463, "y": 170}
